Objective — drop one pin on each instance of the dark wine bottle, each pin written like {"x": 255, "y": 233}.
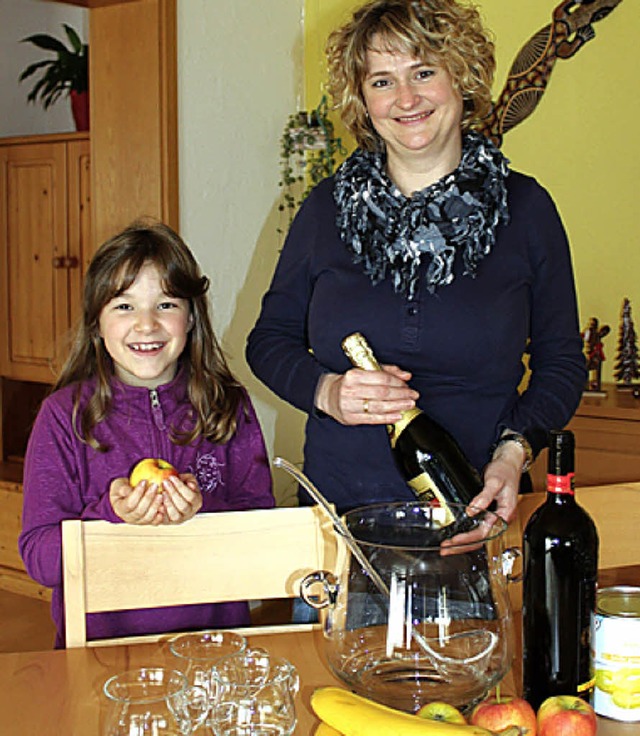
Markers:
{"x": 428, "y": 457}
{"x": 560, "y": 557}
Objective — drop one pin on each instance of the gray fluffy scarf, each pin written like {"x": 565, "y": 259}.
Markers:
{"x": 392, "y": 235}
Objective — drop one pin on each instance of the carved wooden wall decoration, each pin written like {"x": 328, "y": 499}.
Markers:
{"x": 571, "y": 27}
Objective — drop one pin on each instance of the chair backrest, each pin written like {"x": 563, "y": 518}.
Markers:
{"x": 226, "y": 556}
{"x": 614, "y": 510}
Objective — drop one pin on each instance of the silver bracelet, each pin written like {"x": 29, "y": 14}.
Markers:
{"x": 521, "y": 440}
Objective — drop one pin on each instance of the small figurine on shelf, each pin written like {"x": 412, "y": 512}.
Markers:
{"x": 594, "y": 353}
{"x": 626, "y": 369}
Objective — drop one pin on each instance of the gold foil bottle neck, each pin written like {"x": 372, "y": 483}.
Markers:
{"x": 359, "y": 353}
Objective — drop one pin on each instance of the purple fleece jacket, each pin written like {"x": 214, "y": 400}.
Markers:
{"x": 66, "y": 479}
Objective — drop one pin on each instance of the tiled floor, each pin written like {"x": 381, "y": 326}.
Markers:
{"x": 25, "y": 623}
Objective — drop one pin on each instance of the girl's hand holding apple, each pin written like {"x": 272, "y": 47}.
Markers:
{"x": 181, "y": 498}
{"x": 155, "y": 493}
{"x": 140, "y": 505}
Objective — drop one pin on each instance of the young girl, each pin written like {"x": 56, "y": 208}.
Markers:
{"x": 145, "y": 378}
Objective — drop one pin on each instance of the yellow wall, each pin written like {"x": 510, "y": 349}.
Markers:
{"x": 582, "y": 141}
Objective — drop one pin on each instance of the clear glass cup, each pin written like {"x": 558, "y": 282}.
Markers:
{"x": 254, "y": 695}
{"x": 153, "y": 701}
{"x": 198, "y": 652}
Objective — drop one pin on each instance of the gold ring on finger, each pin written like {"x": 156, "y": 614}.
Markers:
{"x": 365, "y": 406}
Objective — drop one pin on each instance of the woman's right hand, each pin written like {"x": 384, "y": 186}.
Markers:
{"x": 366, "y": 397}
{"x": 140, "y": 505}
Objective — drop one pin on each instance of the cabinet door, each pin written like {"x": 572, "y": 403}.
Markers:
{"x": 34, "y": 247}
{"x": 80, "y": 247}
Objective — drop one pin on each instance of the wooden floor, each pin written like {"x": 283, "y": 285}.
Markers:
{"x": 26, "y": 623}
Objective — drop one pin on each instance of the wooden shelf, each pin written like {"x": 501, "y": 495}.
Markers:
{"x": 607, "y": 432}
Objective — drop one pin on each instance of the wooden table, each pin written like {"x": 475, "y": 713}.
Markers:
{"x": 60, "y": 692}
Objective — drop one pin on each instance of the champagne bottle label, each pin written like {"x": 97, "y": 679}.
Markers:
{"x": 426, "y": 490}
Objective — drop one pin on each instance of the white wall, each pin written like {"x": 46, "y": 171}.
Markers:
{"x": 18, "y": 19}
{"x": 239, "y": 77}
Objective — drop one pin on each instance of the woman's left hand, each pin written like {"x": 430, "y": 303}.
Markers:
{"x": 502, "y": 481}
{"x": 181, "y": 498}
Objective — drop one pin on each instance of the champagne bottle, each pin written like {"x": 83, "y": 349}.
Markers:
{"x": 560, "y": 557}
{"x": 428, "y": 457}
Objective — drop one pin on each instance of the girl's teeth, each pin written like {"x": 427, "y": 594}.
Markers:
{"x": 147, "y": 347}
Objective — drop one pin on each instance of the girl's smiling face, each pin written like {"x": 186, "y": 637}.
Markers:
{"x": 145, "y": 330}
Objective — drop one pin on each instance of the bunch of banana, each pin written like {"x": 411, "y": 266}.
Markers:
{"x": 344, "y": 713}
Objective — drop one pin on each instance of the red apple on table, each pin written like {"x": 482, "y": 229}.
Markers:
{"x": 566, "y": 715}
{"x": 153, "y": 470}
{"x": 497, "y": 714}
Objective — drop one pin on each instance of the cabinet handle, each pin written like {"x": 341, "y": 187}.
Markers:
{"x": 65, "y": 262}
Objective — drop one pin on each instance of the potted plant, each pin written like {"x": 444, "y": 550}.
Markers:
{"x": 308, "y": 151}
{"x": 65, "y": 74}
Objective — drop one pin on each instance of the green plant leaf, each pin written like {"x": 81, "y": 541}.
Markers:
{"x": 33, "y": 68}
{"x": 73, "y": 37}
{"x": 44, "y": 41}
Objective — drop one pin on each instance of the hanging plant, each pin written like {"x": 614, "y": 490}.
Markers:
{"x": 308, "y": 151}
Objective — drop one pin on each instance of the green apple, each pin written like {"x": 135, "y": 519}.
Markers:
{"x": 439, "y": 711}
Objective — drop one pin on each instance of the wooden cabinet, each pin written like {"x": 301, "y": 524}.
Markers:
{"x": 13, "y": 576}
{"x": 49, "y": 232}
{"x": 45, "y": 241}
{"x": 607, "y": 432}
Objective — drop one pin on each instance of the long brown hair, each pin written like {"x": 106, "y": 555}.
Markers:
{"x": 212, "y": 389}
{"x": 445, "y": 32}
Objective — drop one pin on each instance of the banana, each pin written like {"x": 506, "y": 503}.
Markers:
{"x": 353, "y": 715}
{"x": 325, "y": 730}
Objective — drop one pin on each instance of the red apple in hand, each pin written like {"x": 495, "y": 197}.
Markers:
{"x": 496, "y": 714}
{"x": 566, "y": 715}
{"x": 153, "y": 470}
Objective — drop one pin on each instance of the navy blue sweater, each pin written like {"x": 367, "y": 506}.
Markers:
{"x": 463, "y": 344}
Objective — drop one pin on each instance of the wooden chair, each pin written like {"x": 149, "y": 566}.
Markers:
{"x": 227, "y": 556}
{"x": 613, "y": 508}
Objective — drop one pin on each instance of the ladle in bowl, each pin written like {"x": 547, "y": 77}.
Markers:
{"x": 340, "y": 527}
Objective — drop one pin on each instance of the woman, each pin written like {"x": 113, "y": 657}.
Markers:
{"x": 450, "y": 263}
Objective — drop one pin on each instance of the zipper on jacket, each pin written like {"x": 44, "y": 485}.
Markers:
{"x": 156, "y": 409}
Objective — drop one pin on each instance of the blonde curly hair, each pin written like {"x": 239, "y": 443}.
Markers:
{"x": 443, "y": 31}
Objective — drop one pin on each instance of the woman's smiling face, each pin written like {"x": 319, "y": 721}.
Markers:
{"x": 413, "y": 105}
{"x": 145, "y": 330}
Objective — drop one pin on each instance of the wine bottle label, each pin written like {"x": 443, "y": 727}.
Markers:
{"x": 426, "y": 491}
{"x": 395, "y": 430}
{"x": 561, "y": 483}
